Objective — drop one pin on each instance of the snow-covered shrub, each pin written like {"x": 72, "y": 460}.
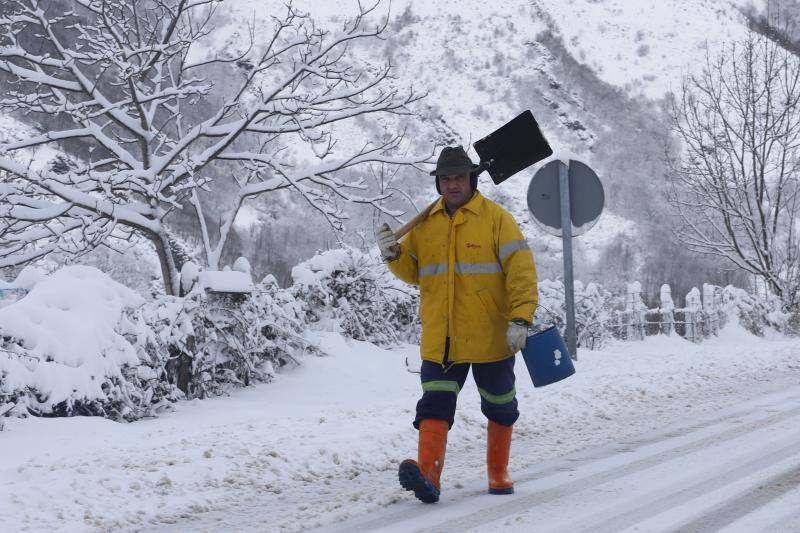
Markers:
{"x": 82, "y": 344}
{"x": 206, "y": 342}
{"x": 755, "y": 314}
{"x": 793, "y": 321}
{"x": 63, "y": 351}
{"x": 349, "y": 291}
{"x": 552, "y": 309}
{"x": 691, "y": 317}
{"x": 592, "y": 316}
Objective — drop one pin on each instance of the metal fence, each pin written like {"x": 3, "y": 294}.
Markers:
{"x": 700, "y": 319}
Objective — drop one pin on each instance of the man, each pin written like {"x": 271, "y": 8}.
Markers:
{"x": 477, "y": 298}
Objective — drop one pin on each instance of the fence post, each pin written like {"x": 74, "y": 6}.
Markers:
{"x": 667, "y": 309}
{"x": 709, "y": 310}
{"x": 693, "y": 308}
{"x": 635, "y": 310}
{"x": 722, "y": 316}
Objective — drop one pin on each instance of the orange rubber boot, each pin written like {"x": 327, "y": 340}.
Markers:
{"x": 498, "y": 447}
{"x": 422, "y": 476}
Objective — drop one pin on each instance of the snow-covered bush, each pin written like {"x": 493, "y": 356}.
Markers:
{"x": 592, "y": 316}
{"x": 63, "y": 351}
{"x": 349, "y": 291}
{"x": 82, "y": 344}
{"x": 206, "y": 342}
{"x": 793, "y": 321}
{"x": 755, "y": 314}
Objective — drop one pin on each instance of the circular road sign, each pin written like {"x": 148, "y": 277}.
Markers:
{"x": 586, "y": 197}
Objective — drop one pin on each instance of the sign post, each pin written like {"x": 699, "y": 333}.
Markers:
{"x": 566, "y": 200}
{"x": 566, "y": 241}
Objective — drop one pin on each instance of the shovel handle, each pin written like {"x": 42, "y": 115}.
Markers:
{"x": 411, "y": 224}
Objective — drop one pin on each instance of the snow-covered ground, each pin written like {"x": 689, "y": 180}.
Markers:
{"x": 321, "y": 444}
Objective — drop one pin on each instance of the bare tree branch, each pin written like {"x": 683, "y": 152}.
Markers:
{"x": 735, "y": 183}
{"x": 145, "y": 128}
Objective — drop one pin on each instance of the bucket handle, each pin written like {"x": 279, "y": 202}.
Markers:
{"x": 538, "y": 328}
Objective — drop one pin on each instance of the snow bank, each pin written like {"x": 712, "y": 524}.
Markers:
{"x": 82, "y": 344}
{"x": 14, "y": 291}
{"x": 26, "y": 279}
{"x": 61, "y": 345}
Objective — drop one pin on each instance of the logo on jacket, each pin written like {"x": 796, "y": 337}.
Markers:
{"x": 556, "y": 357}
{"x": 473, "y": 245}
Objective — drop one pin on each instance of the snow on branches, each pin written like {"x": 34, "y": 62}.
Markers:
{"x": 734, "y": 180}
{"x": 348, "y": 291}
{"x": 128, "y": 90}
{"x": 205, "y": 343}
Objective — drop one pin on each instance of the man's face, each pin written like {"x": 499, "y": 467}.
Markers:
{"x": 455, "y": 189}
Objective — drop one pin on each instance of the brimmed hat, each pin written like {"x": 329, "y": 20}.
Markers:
{"x": 454, "y": 160}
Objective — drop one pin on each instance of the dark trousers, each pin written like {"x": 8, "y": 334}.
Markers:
{"x": 441, "y": 385}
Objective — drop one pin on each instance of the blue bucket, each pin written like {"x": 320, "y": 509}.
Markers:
{"x": 547, "y": 357}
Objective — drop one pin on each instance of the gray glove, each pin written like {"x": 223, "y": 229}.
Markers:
{"x": 388, "y": 245}
{"x": 516, "y": 335}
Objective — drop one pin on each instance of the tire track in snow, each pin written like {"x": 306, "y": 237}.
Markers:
{"x": 746, "y": 503}
{"x": 679, "y": 495}
{"x": 565, "y": 491}
{"x": 453, "y": 518}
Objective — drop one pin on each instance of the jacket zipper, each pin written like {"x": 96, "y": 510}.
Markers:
{"x": 445, "y": 359}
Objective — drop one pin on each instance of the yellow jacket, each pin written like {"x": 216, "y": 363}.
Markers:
{"x": 475, "y": 272}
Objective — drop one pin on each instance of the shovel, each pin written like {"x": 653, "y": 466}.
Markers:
{"x": 512, "y": 147}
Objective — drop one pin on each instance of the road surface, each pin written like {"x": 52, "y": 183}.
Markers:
{"x": 737, "y": 470}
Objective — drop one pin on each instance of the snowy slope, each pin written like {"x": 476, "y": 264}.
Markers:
{"x": 481, "y": 64}
{"x": 645, "y": 45}
{"x": 322, "y": 443}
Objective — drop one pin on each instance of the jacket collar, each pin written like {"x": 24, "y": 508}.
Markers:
{"x": 474, "y": 205}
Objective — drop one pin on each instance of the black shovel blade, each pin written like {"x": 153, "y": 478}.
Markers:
{"x": 513, "y": 147}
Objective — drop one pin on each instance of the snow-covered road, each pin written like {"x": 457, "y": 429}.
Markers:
{"x": 737, "y": 470}
{"x": 656, "y": 433}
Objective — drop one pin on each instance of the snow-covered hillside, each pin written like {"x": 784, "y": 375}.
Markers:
{"x": 592, "y": 72}
{"x": 645, "y": 45}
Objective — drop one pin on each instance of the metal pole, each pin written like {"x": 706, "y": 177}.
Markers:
{"x": 566, "y": 239}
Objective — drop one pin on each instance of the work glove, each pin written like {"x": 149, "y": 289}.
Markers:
{"x": 388, "y": 245}
{"x": 516, "y": 335}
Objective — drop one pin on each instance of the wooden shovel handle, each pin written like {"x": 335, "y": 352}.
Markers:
{"x": 411, "y": 224}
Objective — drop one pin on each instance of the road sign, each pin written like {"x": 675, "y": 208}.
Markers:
{"x": 566, "y": 195}
{"x": 586, "y": 197}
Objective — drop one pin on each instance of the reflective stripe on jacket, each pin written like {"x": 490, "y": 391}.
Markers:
{"x": 475, "y": 272}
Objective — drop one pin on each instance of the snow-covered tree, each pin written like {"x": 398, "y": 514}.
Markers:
{"x": 736, "y": 180}
{"x": 125, "y": 87}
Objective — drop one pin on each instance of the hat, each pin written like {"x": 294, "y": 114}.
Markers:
{"x": 454, "y": 160}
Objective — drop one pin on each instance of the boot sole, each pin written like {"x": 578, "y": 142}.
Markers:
{"x": 412, "y": 478}
{"x": 509, "y": 490}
